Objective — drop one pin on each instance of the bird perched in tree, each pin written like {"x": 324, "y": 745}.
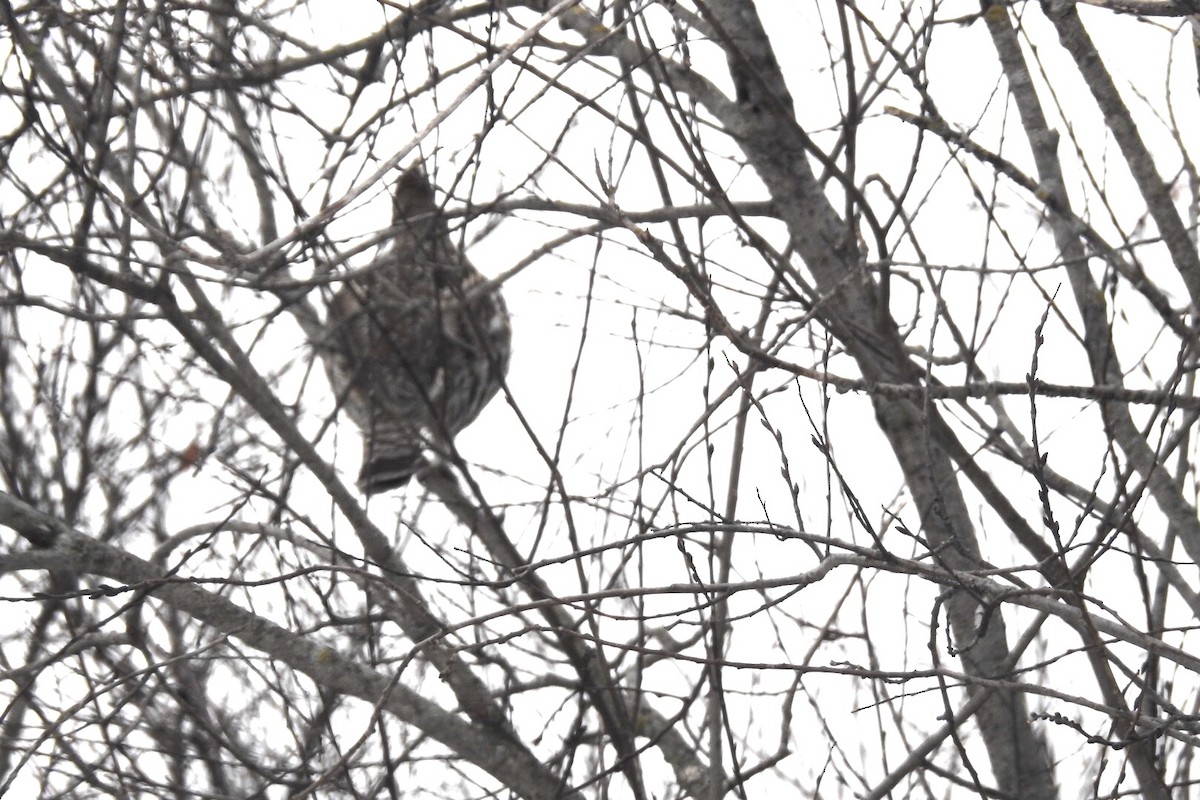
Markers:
{"x": 417, "y": 342}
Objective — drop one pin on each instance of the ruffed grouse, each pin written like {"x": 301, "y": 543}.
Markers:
{"x": 418, "y": 343}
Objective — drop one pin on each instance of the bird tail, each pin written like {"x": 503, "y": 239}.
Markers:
{"x": 391, "y": 455}
{"x": 386, "y": 471}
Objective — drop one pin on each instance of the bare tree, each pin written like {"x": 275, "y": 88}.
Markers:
{"x": 846, "y": 448}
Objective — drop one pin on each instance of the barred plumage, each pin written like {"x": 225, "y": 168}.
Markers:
{"x": 417, "y": 342}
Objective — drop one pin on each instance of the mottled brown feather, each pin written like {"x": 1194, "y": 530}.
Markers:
{"x": 417, "y": 343}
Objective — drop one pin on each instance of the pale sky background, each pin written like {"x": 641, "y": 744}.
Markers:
{"x": 546, "y": 303}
